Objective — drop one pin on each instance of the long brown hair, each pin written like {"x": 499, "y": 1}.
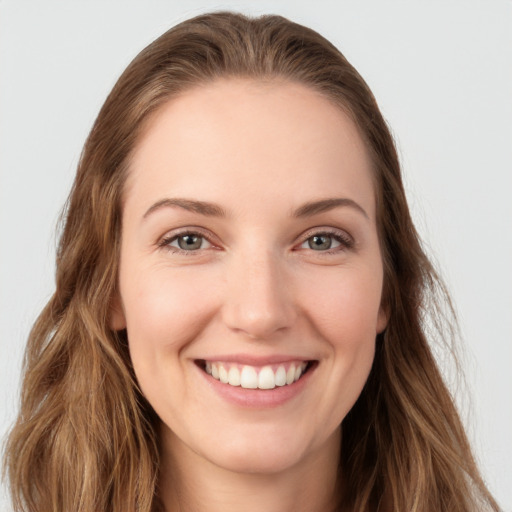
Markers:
{"x": 85, "y": 439}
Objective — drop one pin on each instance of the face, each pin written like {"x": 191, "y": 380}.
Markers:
{"x": 250, "y": 275}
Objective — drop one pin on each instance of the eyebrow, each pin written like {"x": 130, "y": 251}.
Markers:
{"x": 316, "y": 207}
{"x": 192, "y": 205}
{"x": 213, "y": 210}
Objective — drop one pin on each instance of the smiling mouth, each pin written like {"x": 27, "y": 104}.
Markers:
{"x": 253, "y": 377}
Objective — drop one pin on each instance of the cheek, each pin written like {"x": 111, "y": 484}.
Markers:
{"x": 345, "y": 312}
{"x": 344, "y": 305}
{"x": 165, "y": 310}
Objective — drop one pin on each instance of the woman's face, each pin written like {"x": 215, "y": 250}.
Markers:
{"x": 249, "y": 255}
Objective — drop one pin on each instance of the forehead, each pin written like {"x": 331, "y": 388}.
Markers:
{"x": 272, "y": 138}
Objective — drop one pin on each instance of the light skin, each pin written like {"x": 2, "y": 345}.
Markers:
{"x": 249, "y": 231}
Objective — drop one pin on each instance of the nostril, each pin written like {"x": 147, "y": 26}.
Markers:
{"x": 258, "y": 304}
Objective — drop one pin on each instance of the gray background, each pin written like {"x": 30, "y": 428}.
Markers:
{"x": 442, "y": 73}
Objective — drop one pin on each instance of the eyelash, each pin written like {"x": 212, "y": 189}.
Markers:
{"x": 346, "y": 242}
{"x": 165, "y": 243}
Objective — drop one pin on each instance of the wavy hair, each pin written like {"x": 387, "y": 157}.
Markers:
{"x": 86, "y": 439}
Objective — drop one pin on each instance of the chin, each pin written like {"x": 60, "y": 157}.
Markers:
{"x": 262, "y": 452}
{"x": 254, "y": 460}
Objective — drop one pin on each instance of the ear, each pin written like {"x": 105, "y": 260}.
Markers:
{"x": 383, "y": 318}
{"x": 116, "y": 316}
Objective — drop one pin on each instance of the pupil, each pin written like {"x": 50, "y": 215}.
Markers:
{"x": 320, "y": 242}
{"x": 189, "y": 242}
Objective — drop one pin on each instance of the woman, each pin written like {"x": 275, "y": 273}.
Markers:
{"x": 242, "y": 299}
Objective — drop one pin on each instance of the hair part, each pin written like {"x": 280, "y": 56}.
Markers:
{"x": 86, "y": 438}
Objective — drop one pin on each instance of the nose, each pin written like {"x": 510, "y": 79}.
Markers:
{"x": 258, "y": 301}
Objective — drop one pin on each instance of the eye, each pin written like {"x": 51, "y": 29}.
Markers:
{"x": 327, "y": 241}
{"x": 321, "y": 242}
{"x": 188, "y": 242}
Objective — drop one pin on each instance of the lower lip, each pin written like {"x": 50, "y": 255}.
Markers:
{"x": 258, "y": 398}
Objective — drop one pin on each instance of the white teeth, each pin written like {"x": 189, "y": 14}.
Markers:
{"x": 234, "y": 376}
{"x": 223, "y": 374}
{"x": 290, "y": 374}
{"x": 250, "y": 378}
{"x": 266, "y": 379}
{"x": 281, "y": 376}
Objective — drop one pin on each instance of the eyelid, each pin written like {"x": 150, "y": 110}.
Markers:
{"x": 165, "y": 240}
{"x": 346, "y": 240}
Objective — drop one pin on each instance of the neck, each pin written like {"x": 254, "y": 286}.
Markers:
{"x": 189, "y": 483}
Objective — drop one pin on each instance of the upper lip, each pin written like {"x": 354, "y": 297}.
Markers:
{"x": 253, "y": 360}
